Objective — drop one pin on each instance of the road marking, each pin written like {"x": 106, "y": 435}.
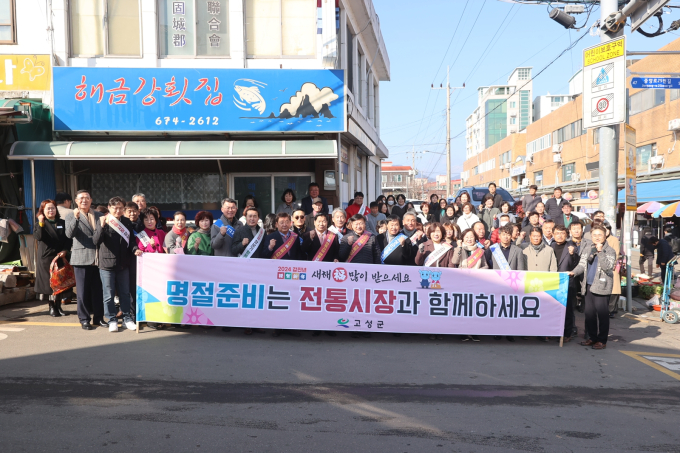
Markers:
{"x": 52, "y": 324}
{"x": 10, "y": 329}
{"x": 666, "y": 363}
{"x": 2, "y": 336}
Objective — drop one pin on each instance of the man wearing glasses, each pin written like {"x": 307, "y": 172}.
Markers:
{"x": 80, "y": 226}
{"x": 299, "y": 226}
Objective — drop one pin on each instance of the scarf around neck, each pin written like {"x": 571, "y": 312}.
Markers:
{"x": 538, "y": 247}
{"x": 177, "y": 231}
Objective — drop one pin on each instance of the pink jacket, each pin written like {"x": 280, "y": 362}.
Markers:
{"x": 157, "y": 238}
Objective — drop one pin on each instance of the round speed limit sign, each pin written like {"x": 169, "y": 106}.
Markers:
{"x": 602, "y": 105}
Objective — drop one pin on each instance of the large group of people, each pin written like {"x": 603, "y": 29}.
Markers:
{"x": 101, "y": 244}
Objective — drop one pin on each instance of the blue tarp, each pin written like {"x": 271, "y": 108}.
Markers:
{"x": 655, "y": 191}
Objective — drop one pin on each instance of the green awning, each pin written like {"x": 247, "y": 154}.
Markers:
{"x": 183, "y": 150}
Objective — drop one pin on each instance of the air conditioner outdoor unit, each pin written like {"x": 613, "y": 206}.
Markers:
{"x": 525, "y": 182}
{"x": 575, "y": 177}
{"x": 674, "y": 125}
{"x": 557, "y": 158}
{"x": 557, "y": 149}
{"x": 656, "y": 161}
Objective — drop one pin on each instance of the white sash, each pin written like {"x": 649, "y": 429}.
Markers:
{"x": 337, "y": 232}
{"x": 143, "y": 238}
{"x": 253, "y": 245}
{"x": 119, "y": 228}
{"x": 500, "y": 258}
{"x": 362, "y": 209}
{"x": 434, "y": 257}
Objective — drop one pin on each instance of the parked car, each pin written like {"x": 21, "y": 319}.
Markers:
{"x": 477, "y": 194}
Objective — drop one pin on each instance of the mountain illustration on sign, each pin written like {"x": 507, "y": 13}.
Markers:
{"x": 309, "y": 101}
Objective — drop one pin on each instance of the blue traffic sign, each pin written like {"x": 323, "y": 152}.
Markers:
{"x": 655, "y": 82}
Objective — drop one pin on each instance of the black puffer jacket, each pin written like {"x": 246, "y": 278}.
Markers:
{"x": 369, "y": 253}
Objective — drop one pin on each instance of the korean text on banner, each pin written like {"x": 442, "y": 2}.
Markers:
{"x": 631, "y": 169}
{"x": 306, "y": 295}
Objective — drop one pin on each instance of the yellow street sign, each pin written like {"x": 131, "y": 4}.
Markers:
{"x": 606, "y": 51}
{"x": 25, "y": 72}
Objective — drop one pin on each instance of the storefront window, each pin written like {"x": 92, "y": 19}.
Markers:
{"x": 7, "y": 22}
{"x": 281, "y": 27}
{"x": 194, "y": 28}
{"x": 643, "y": 154}
{"x": 120, "y": 34}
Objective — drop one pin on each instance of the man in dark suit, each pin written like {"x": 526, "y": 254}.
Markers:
{"x": 511, "y": 253}
{"x": 402, "y": 252}
{"x": 554, "y": 205}
{"x": 567, "y": 217}
{"x": 567, "y": 257}
{"x": 306, "y": 203}
{"x": 246, "y": 233}
{"x": 280, "y": 237}
{"x": 80, "y": 226}
{"x": 312, "y": 241}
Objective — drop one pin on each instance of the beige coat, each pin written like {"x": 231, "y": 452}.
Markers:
{"x": 543, "y": 261}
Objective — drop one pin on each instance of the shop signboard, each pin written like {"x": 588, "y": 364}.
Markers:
{"x": 25, "y": 72}
{"x": 198, "y": 100}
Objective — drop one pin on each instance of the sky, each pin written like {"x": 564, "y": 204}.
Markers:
{"x": 482, "y": 41}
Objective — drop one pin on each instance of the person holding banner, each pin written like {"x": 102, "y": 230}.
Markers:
{"x": 117, "y": 249}
{"x": 540, "y": 257}
{"x": 199, "y": 242}
{"x": 596, "y": 264}
{"x": 80, "y": 226}
{"x": 248, "y": 241}
{"x": 435, "y": 252}
{"x": 320, "y": 244}
{"x": 176, "y": 239}
{"x": 151, "y": 239}
{"x": 282, "y": 244}
{"x": 359, "y": 246}
{"x": 222, "y": 231}
{"x": 505, "y": 256}
{"x": 568, "y": 258}
{"x": 392, "y": 244}
{"x": 359, "y": 207}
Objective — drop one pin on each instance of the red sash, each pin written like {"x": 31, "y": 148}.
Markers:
{"x": 358, "y": 245}
{"x": 325, "y": 247}
{"x": 281, "y": 251}
{"x": 474, "y": 258}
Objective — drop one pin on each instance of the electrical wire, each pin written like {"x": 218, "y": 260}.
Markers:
{"x": 571, "y": 46}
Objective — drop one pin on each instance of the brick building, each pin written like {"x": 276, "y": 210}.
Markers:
{"x": 556, "y": 150}
{"x": 397, "y": 179}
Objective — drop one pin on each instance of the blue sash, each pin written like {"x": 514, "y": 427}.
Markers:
{"x": 391, "y": 247}
{"x": 500, "y": 258}
{"x": 230, "y": 229}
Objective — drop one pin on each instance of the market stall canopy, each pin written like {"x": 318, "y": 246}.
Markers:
{"x": 179, "y": 150}
{"x": 655, "y": 191}
{"x": 650, "y": 207}
{"x": 671, "y": 210}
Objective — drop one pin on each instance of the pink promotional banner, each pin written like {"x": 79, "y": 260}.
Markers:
{"x": 305, "y": 295}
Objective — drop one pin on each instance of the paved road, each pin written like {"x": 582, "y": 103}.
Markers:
{"x": 65, "y": 389}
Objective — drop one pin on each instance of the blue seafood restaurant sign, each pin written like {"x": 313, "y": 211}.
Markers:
{"x": 198, "y": 100}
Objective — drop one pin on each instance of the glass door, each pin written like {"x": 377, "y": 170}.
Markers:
{"x": 258, "y": 186}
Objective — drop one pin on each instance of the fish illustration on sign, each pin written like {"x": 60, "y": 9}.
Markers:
{"x": 249, "y": 96}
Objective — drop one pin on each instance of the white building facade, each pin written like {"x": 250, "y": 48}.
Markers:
{"x": 501, "y": 110}
{"x": 137, "y": 37}
{"x": 543, "y": 105}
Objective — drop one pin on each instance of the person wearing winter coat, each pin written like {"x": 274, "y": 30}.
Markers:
{"x": 596, "y": 264}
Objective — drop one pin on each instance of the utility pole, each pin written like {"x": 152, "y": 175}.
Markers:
{"x": 448, "y": 129}
{"x": 609, "y": 148}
